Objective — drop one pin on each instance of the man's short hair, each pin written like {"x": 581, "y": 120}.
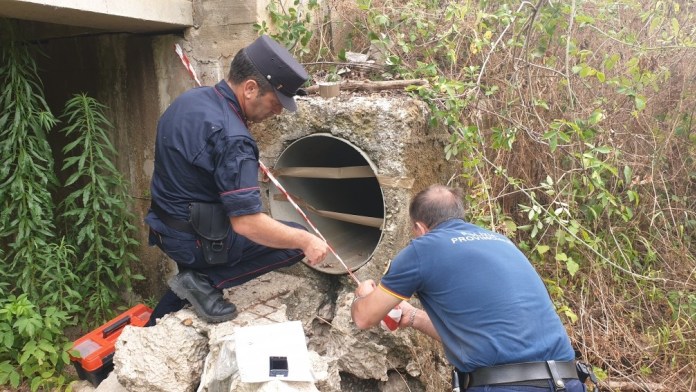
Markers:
{"x": 242, "y": 69}
{"x": 436, "y": 204}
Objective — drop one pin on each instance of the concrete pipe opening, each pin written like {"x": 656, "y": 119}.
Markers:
{"x": 336, "y": 186}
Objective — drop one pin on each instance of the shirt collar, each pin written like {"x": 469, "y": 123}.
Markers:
{"x": 224, "y": 89}
{"x": 448, "y": 223}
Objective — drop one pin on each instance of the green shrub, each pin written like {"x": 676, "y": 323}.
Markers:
{"x": 33, "y": 348}
{"x": 43, "y": 282}
{"x": 98, "y": 210}
{"x": 26, "y": 168}
{"x": 290, "y": 24}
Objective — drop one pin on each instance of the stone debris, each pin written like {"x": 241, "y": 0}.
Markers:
{"x": 184, "y": 353}
{"x": 166, "y": 357}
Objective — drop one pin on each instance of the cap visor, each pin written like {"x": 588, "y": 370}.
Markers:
{"x": 287, "y": 102}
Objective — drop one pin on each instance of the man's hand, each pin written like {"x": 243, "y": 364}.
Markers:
{"x": 315, "y": 250}
{"x": 371, "y": 306}
{"x": 365, "y": 288}
{"x": 406, "y": 311}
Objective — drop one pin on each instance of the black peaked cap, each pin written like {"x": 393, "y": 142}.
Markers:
{"x": 277, "y": 65}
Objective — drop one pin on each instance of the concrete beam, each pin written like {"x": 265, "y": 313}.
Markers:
{"x": 134, "y": 16}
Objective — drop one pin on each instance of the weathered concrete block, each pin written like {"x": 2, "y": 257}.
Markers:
{"x": 392, "y": 135}
{"x": 167, "y": 357}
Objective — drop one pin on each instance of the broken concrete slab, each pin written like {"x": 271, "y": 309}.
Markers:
{"x": 184, "y": 353}
{"x": 393, "y": 134}
{"x": 160, "y": 359}
{"x": 166, "y": 357}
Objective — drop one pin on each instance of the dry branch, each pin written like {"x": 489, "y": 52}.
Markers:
{"x": 633, "y": 387}
{"x": 374, "y": 86}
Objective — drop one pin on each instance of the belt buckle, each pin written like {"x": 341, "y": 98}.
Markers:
{"x": 558, "y": 384}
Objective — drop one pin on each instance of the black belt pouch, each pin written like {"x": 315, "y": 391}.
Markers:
{"x": 212, "y": 225}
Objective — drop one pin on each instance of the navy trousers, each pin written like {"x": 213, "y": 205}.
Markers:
{"x": 255, "y": 260}
{"x": 570, "y": 386}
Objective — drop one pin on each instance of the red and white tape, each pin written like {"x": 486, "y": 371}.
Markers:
{"x": 187, "y": 63}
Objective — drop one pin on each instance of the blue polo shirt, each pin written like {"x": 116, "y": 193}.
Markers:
{"x": 204, "y": 153}
{"x": 485, "y": 299}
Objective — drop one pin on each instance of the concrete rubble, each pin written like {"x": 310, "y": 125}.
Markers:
{"x": 184, "y": 353}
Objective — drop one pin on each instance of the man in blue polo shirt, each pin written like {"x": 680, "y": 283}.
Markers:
{"x": 483, "y": 300}
{"x": 206, "y": 211}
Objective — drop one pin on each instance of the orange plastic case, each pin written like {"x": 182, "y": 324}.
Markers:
{"x": 96, "y": 349}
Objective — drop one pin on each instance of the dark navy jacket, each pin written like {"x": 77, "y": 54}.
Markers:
{"x": 204, "y": 153}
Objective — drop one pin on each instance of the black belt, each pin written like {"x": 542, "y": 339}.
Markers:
{"x": 170, "y": 221}
{"x": 527, "y": 373}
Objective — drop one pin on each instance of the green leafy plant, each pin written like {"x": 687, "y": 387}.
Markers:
{"x": 60, "y": 281}
{"x": 26, "y": 167}
{"x": 98, "y": 209}
{"x": 332, "y": 77}
{"x": 290, "y": 26}
{"x": 36, "y": 273}
{"x": 33, "y": 348}
{"x": 43, "y": 282}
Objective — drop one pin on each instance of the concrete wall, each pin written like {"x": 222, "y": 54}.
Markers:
{"x": 104, "y": 15}
{"x": 119, "y": 70}
{"x": 136, "y": 75}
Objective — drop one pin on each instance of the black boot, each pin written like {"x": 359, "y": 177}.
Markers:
{"x": 207, "y": 301}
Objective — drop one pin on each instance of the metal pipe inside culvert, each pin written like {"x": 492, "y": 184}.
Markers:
{"x": 336, "y": 185}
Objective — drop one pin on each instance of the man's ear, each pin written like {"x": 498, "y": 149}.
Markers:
{"x": 251, "y": 88}
{"x": 421, "y": 228}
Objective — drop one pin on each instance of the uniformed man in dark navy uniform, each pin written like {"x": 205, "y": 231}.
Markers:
{"x": 206, "y": 202}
